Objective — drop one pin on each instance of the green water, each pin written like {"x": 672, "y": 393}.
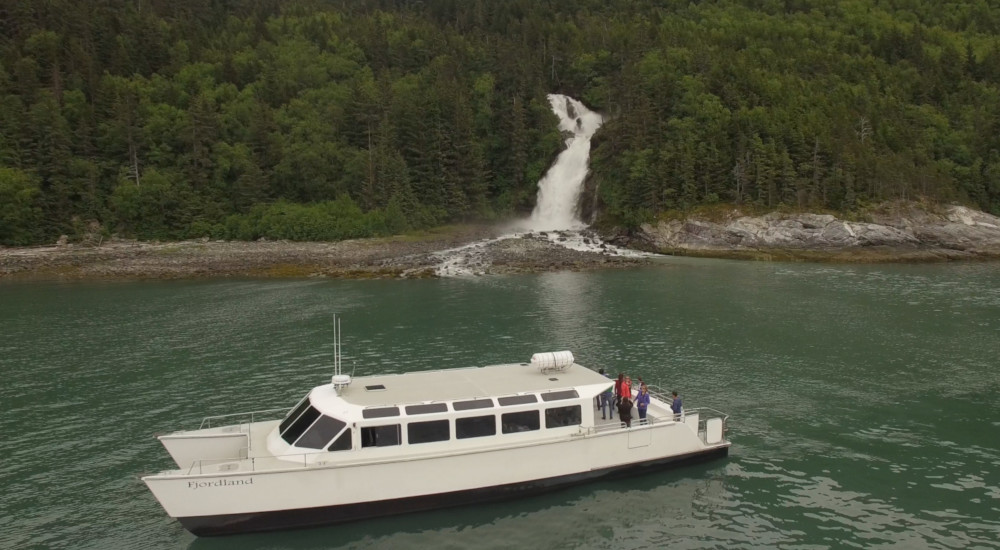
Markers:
{"x": 865, "y": 400}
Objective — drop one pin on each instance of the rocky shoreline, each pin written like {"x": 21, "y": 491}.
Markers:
{"x": 395, "y": 257}
{"x": 904, "y": 232}
{"x": 900, "y": 233}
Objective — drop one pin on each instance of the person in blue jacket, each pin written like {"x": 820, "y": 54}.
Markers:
{"x": 642, "y": 402}
{"x": 676, "y": 406}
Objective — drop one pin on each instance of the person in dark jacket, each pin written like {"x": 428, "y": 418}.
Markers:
{"x": 625, "y": 411}
{"x": 607, "y": 401}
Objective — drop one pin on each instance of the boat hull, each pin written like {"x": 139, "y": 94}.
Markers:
{"x": 228, "y": 524}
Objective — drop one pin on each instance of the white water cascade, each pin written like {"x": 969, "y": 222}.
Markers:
{"x": 555, "y": 217}
{"x": 559, "y": 190}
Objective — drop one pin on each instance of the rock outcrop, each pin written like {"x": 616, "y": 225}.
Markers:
{"x": 901, "y": 232}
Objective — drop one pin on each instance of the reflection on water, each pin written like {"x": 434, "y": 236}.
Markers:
{"x": 568, "y": 300}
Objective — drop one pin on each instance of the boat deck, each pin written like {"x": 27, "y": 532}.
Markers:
{"x": 465, "y": 383}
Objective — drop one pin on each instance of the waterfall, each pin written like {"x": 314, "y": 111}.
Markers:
{"x": 559, "y": 190}
{"x": 555, "y": 216}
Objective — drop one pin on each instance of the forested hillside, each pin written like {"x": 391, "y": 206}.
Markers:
{"x": 311, "y": 119}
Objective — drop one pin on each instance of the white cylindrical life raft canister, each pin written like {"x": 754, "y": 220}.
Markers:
{"x": 552, "y": 359}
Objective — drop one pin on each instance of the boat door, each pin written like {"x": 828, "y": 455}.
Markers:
{"x": 638, "y": 438}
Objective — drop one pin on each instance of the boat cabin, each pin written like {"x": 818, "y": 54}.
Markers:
{"x": 462, "y": 406}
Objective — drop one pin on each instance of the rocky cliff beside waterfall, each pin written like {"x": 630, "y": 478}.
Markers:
{"x": 896, "y": 232}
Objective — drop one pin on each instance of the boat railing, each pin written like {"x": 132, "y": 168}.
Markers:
{"x": 709, "y": 423}
{"x": 244, "y": 463}
{"x": 239, "y": 418}
{"x": 703, "y": 413}
{"x": 697, "y": 417}
{"x": 650, "y": 420}
{"x": 659, "y": 393}
{"x": 249, "y": 464}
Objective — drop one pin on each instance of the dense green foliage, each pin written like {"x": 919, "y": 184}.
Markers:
{"x": 311, "y": 119}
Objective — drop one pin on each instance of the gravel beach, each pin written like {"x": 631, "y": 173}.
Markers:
{"x": 394, "y": 257}
{"x": 900, "y": 233}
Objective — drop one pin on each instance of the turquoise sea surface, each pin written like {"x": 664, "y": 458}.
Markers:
{"x": 864, "y": 400}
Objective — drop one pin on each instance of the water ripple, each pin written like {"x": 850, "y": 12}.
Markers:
{"x": 864, "y": 399}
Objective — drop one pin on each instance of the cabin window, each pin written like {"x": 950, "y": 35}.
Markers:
{"x": 294, "y": 414}
{"x": 380, "y": 412}
{"x": 557, "y": 417}
{"x": 301, "y": 423}
{"x": 427, "y": 432}
{"x": 473, "y": 404}
{"x": 380, "y": 436}
{"x": 524, "y": 421}
{"x": 517, "y": 400}
{"x": 320, "y": 433}
{"x": 475, "y": 426}
{"x": 560, "y": 395}
{"x": 342, "y": 443}
{"x": 427, "y": 409}
{"x": 375, "y": 387}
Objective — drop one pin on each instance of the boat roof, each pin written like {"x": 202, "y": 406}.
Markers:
{"x": 467, "y": 383}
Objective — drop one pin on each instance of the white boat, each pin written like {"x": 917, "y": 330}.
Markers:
{"x": 395, "y": 443}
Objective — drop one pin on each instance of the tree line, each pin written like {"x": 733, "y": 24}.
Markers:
{"x": 324, "y": 120}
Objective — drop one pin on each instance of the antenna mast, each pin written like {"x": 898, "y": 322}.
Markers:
{"x": 340, "y": 381}
{"x": 336, "y": 345}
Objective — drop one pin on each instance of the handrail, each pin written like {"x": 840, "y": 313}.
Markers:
{"x": 659, "y": 393}
{"x": 704, "y": 415}
{"x": 201, "y": 463}
{"x": 716, "y": 413}
{"x": 662, "y": 395}
{"x": 301, "y": 460}
{"x": 284, "y": 459}
{"x": 636, "y": 423}
{"x": 208, "y": 419}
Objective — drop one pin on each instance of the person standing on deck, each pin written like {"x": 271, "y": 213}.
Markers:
{"x": 625, "y": 411}
{"x": 607, "y": 399}
{"x": 642, "y": 402}
{"x": 676, "y": 406}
